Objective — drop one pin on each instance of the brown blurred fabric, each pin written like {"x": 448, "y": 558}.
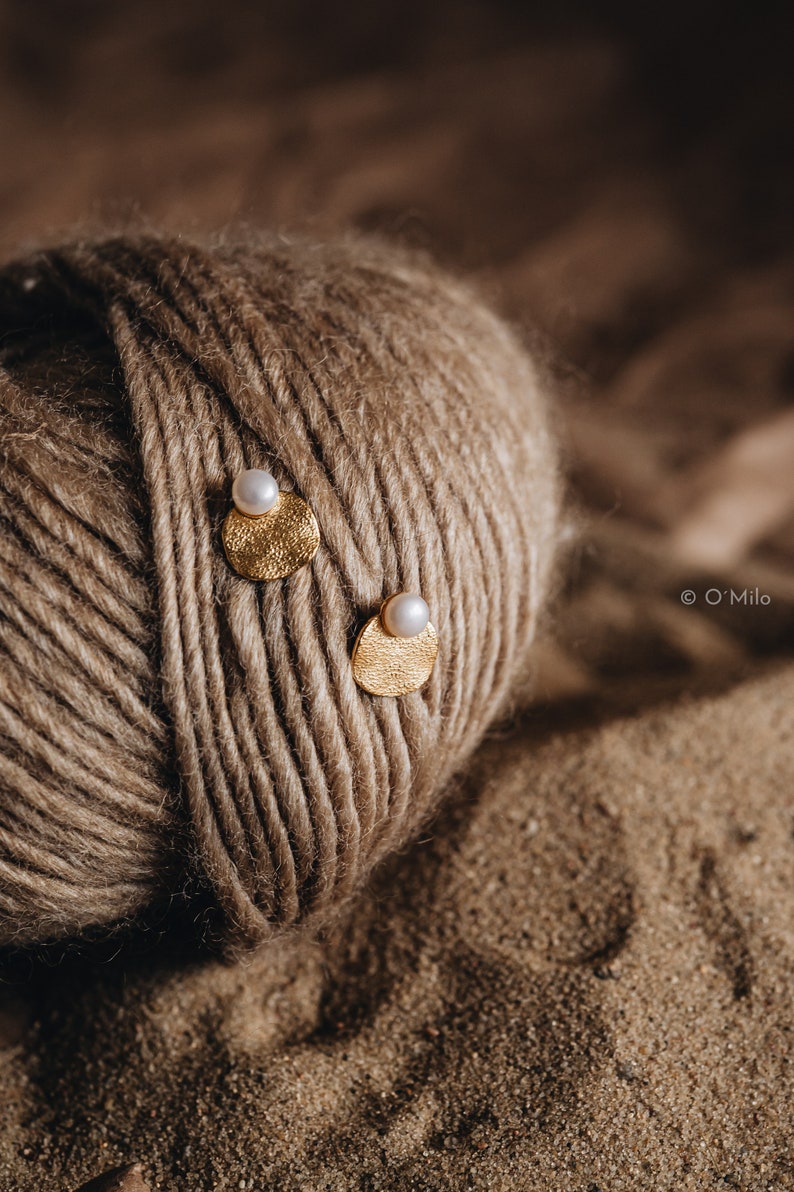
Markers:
{"x": 582, "y": 977}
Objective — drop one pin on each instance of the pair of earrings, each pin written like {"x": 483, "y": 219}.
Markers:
{"x": 270, "y": 533}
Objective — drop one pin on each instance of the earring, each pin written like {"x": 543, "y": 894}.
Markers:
{"x": 396, "y": 650}
{"x": 268, "y": 534}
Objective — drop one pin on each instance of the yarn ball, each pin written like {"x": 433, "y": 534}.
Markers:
{"x": 167, "y": 724}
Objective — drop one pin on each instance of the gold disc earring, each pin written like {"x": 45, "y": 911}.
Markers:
{"x": 396, "y": 650}
{"x": 268, "y": 534}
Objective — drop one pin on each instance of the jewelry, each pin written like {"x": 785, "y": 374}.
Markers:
{"x": 269, "y": 533}
{"x": 396, "y": 650}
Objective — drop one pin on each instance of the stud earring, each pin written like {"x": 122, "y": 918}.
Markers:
{"x": 396, "y": 650}
{"x": 269, "y": 533}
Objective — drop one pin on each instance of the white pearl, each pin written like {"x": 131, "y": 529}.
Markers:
{"x": 254, "y": 492}
{"x": 405, "y": 615}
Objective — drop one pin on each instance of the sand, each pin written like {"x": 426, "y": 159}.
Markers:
{"x": 580, "y": 977}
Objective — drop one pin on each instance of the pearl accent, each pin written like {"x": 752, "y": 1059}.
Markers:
{"x": 254, "y": 492}
{"x": 405, "y": 615}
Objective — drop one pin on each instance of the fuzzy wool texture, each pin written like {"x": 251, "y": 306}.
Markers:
{"x": 167, "y": 721}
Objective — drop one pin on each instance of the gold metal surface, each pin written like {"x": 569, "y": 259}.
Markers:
{"x": 275, "y": 544}
{"x": 386, "y": 665}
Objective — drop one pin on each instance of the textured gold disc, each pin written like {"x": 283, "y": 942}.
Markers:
{"x": 387, "y": 665}
{"x": 276, "y": 543}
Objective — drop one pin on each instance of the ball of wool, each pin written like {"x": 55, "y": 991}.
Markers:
{"x": 160, "y": 715}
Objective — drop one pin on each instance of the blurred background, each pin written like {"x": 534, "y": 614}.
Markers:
{"x": 617, "y": 178}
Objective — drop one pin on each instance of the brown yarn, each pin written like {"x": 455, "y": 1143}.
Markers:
{"x": 140, "y": 678}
